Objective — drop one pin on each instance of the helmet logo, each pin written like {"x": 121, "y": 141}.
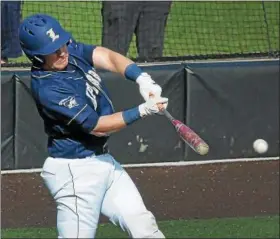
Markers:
{"x": 52, "y": 35}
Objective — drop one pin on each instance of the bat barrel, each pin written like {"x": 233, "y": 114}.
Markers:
{"x": 202, "y": 148}
{"x": 188, "y": 135}
{"x": 191, "y": 138}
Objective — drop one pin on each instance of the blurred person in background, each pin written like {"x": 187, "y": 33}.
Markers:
{"x": 147, "y": 19}
{"x": 10, "y": 20}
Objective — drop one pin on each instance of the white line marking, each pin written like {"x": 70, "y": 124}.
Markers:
{"x": 165, "y": 164}
{"x": 227, "y": 60}
{"x": 174, "y": 62}
{"x": 77, "y": 114}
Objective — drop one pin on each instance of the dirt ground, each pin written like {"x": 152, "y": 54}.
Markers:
{"x": 185, "y": 192}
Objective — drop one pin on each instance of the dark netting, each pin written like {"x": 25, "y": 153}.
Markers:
{"x": 194, "y": 30}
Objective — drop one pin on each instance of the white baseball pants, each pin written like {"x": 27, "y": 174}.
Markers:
{"x": 84, "y": 188}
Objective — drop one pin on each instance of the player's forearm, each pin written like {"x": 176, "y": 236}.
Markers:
{"x": 119, "y": 62}
{"x": 125, "y": 67}
{"x": 117, "y": 121}
{"x": 109, "y": 123}
{"x": 104, "y": 58}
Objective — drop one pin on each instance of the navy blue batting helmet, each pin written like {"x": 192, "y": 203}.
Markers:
{"x": 41, "y": 35}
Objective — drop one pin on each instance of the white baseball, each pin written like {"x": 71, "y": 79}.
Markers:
{"x": 260, "y": 146}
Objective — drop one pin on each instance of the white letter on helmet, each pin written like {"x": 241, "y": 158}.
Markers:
{"x": 52, "y": 35}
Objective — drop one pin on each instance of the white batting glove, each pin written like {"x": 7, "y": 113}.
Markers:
{"x": 147, "y": 86}
{"x": 150, "y": 107}
{"x": 164, "y": 105}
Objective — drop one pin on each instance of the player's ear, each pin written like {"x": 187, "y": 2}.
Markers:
{"x": 72, "y": 40}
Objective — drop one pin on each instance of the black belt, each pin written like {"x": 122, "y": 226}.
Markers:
{"x": 101, "y": 150}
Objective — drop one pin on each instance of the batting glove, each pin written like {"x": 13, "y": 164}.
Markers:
{"x": 151, "y": 107}
{"x": 163, "y": 105}
{"x": 147, "y": 86}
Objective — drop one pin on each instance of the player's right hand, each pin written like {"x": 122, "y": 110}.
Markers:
{"x": 151, "y": 106}
{"x": 148, "y": 86}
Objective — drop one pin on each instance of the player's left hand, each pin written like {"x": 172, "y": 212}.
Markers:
{"x": 147, "y": 86}
{"x": 161, "y": 106}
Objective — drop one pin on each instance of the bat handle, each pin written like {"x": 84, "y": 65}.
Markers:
{"x": 167, "y": 114}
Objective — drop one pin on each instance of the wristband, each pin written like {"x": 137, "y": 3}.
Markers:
{"x": 132, "y": 72}
{"x": 131, "y": 115}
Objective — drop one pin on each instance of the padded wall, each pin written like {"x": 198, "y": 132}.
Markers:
{"x": 231, "y": 105}
{"x": 7, "y": 121}
{"x": 30, "y": 138}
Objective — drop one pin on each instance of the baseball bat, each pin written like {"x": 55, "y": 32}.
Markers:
{"x": 188, "y": 135}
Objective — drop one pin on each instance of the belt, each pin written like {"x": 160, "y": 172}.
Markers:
{"x": 101, "y": 150}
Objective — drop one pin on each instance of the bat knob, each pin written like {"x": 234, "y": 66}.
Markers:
{"x": 202, "y": 149}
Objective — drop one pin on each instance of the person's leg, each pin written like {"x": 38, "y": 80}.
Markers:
{"x": 151, "y": 27}
{"x": 78, "y": 187}
{"x": 4, "y": 32}
{"x": 119, "y": 22}
{"x": 124, "y": 206}
{"x": 10, "y": 21}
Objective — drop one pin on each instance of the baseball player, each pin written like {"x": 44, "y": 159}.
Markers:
{"x": 83, "y": 178}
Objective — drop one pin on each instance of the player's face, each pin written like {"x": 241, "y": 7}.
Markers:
{"x": 57, "y": 60}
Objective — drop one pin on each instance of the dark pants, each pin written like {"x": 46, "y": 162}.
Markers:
{"x": 146, "y": 19}
{"x": 10, "y": 21}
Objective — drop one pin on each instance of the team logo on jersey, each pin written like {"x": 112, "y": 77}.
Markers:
{"x": 70, "y": 102}
{"x": 52, "y": 35}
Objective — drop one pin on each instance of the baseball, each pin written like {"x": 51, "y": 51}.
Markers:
{"x": 260, "y": 146}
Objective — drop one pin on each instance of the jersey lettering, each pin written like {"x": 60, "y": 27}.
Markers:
{"x": 91, "y": 94}
{"x": 92, "y": 91}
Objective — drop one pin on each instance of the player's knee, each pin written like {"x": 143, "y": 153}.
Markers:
{"x": 141, "y": 225}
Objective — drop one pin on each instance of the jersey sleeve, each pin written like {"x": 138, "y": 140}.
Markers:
{"x": 87, "y": 52}
{"x": 64, "y": 105}
{"x": 84, "y": 50}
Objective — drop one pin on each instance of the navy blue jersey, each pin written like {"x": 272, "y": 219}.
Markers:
{"x": 70, "y": 103}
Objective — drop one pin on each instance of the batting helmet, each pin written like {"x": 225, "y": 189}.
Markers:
{"x": 41, "y": 35}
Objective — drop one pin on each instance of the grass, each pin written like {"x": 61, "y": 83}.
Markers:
{"x": 257, "y": 227}
{"x": 193, "y": 28}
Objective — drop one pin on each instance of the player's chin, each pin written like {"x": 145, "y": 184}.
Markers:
{"x": 62, "y": 64}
